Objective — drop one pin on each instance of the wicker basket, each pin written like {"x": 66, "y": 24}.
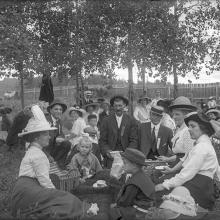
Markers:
{"x": 62, "y": 179}
{"x": 150, "y": 166}
{"x": 102, "y": 196}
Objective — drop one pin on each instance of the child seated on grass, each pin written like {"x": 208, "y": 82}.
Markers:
{"x": 138, "y": 192}
{"x": 93, "y": 132}
{"x": 85, "y": 161}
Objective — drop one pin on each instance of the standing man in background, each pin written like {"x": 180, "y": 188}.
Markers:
{"x": 46, "y": 90}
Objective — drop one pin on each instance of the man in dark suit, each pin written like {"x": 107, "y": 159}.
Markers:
{"x": 154, "y": 138}
{"x": 105, "y": 106}
{"x": 118, "y": 130}
{"x": 58, "y": 147}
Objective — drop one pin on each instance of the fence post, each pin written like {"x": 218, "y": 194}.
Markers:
{"x": 216, "y": 92}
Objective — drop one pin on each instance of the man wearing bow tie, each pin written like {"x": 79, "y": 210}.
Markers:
{"x": 154, "y": 138}
{"x": 58, "y": 147}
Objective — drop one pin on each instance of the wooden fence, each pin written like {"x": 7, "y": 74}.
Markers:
{"x": 193, "y": 91}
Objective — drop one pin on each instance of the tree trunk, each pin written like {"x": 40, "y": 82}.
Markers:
{"x": 130, "y": 73}
{"x": 175, "y": 83}
{"x": 143, "y": 78}
{"x": 22, "y": 87}
{"x": 82, "y": 89}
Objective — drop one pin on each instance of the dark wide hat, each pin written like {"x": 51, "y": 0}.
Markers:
{"x": 125, "y": 100}
{"x": 57, "y": 102}
{"x": 93, "y": 104}
{"x": 182, "y": 102}
{"x": 134, "y": 156}
{"x": 144, "y": 98}
{"x": 100, "y": 100}
{"x": 200, "y": 118}
{"x": 164, "y": 103}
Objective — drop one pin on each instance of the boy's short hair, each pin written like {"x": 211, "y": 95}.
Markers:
{"x": 92, "y": 116}
{"x": 84, "y": 140}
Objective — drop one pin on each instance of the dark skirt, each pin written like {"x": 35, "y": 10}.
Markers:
{"x": 30, "y": 199}
{"x": 202, "y": 190}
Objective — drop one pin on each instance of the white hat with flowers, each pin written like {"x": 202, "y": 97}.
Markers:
{"x": 37, "y": 122}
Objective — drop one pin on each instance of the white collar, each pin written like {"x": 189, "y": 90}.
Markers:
{"x": 119, "y": 116}
{"x": 53, "y": 119}
{"x": 202, "y": 138}
{"x": 156, "y": 126}
{"x": 36, "y": 145}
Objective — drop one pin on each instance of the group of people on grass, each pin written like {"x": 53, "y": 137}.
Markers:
{"x": 176, "y": 133}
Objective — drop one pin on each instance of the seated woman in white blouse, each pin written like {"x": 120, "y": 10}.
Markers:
{"x": 34, "y": 193}
{"x": 79, "y": 124}
{"x": 199, "y": 165}
{"x": 142, "y": 110}
{"x": 181, "y": 141}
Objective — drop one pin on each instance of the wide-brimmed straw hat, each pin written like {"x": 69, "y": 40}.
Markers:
{"x": 57, "y": 102}
{"x": 134, "y": 156}
{"x": 121, "y": 97}
{"x": 184, "y": 103}
{"x": 213, "y": 110}
{"x": 212, "y": 98}
{"x": 200, "y": 118}
{"x": 37, "y": 122}
{"x": 179, "y": 201}
{"x": 93, "y": 104}
{"x": 76, "y": 109}
{"x": 144, "y": 98}
{"x": 88, "y": 92}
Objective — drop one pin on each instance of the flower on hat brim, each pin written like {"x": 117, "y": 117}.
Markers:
{"x": 25, "y": 132}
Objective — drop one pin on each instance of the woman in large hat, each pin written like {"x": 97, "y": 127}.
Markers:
{"x": 142, "y": 110}
{"x": 34, "y": 194}
{"x": 182, "y": 142}
{"x": 198, "y": 167}
{"x": 213, "y": 114}
{"x": 79, "y": 124}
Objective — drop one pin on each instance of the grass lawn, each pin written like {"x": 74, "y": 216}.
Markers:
{"x": 9, "y": 167}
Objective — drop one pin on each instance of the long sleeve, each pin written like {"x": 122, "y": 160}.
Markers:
{"x": 103, "y": 142}
{"x": 41, "y": 168}
{"x": 136, "y": 111}
{"x": 73, "y": 165}
{"x": 128, "y": 197}
{"x": 189, "y": 170}
{"x": 184, "y": 144}
{"x": 98, "y": 166}
{"x": 133, "y": 137}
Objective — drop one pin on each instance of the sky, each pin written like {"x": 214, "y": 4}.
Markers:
{"x": 215, "y": 77}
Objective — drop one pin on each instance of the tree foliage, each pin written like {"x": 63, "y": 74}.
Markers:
{"x": 78, "y": 38}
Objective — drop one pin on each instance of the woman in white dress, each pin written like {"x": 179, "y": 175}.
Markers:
{"x": 181, "y": 141}
{"x": 142, "y": 110}
{"x": 79, "y": 124}
{"x": 198, "y": 167}
{"x": 34, "y": 195}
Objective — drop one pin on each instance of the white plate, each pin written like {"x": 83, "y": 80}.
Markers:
{"x": 160, "y": 167}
